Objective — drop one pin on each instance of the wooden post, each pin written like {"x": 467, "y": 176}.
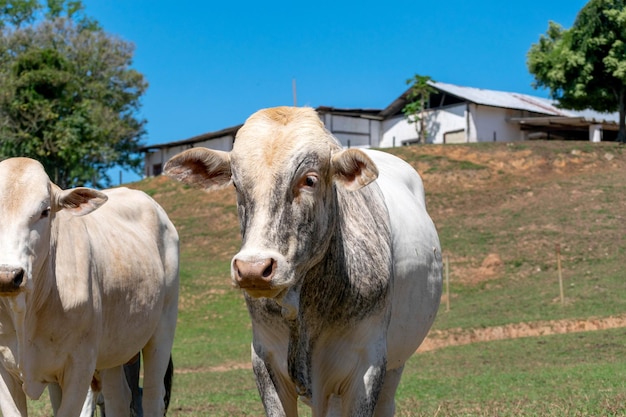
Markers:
{"x": 558, "y": 265}
{"x": 447, "y": 283}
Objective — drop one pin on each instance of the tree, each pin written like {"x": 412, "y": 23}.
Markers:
{"x": 68, "y": 95}
{"x": 584, "y": 67}
{"x": 417, "y": 98}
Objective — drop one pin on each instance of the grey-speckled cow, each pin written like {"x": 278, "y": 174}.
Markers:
{"x": 340, "y": 263}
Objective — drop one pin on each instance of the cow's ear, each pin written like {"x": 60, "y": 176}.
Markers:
{"x": 201, "y": 167}
{"x": 353, "y": 169}
{"x": 79, "y": 201}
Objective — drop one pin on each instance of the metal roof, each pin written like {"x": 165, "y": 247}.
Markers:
{"x": 503, "y": 99}
{"x": 363, "y": 113}
{"x": 229, "y": 131}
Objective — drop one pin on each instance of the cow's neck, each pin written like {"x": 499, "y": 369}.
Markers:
{"x": 25, "y": 314}
{"x": 354, "y": 276}
{"x": 44, "y": 279}
{"x": 352, "y": 280}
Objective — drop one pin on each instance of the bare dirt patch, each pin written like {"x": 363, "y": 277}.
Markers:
{"x": 491, "y": 268}
{"x": 438, "y": 339}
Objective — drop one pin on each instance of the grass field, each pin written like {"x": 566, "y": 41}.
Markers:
{"x": 500, "y": 209}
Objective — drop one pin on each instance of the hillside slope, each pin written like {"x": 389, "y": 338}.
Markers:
{"x": 501, "y": 210}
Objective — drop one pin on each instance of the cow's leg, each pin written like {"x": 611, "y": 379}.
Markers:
{"x": 54, "y": 390}
{"x": 386, "y": 405}
{"x": 74, "y": 391}
{"x": 334, "y": 406}
{"x": 117, "y": 395}
{"x": 270, "y": 384}
{"x": 12, "y": 397}
{"x": 156, "y": 358}
{"x": 89, "y": 405}
{"x": 132, "y": 370}
{"x": 361, "y": 400}
{"x": 167, "y": 381}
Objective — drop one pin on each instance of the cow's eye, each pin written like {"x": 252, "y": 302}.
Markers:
{"x": 309, "y": 181}
{"x": 45, "y": 213}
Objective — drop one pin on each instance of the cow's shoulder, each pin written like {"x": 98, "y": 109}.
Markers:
{"x": 397, "y": 176}
{"x": 128, "y": 207}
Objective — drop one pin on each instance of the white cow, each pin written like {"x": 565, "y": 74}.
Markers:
{"x": 340, "y": 263}
{"x": 82, "y": 290}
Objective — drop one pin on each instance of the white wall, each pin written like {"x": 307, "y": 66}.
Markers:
{"x": 395, "y": 131}
{"x": 353, "y": 131}
{"x": 439, "y": 122}
{"x": 491, "y": 125}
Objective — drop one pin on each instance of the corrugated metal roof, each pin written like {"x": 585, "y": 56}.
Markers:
{"x": 519, "y": 101}
{"x": 503, "y": 99}
{"x": 229, "y": 131}
{"x": 364, "y": 113}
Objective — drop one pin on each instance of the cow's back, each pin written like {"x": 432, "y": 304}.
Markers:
{"x": 123, "y": 259}
{"x": 416, "y": 257}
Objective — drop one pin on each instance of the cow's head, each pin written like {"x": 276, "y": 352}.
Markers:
{"x": 285, "y": 167}
{"x": 28, "y": 204}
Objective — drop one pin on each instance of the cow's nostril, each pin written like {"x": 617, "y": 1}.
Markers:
{"x": 19, "y": 277}
{"x": 267, "y": 272}
{"x": 254, "y": 274}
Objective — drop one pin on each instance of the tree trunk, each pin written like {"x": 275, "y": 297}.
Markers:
{"x": 422, "y": 138}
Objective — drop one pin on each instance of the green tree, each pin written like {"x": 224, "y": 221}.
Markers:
{"x": 417, "y": 100}
{"x": 584, "y": 67}
{"x": 68, "y": 95}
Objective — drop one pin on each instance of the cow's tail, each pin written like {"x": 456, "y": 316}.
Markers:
{"x": 167, "y": 381}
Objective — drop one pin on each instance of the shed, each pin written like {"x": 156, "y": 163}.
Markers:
{"x": 457, "y": 114}
{"x": 155, "y": 156}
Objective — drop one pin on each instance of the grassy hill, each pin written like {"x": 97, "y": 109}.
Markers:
{"x": 501, "y": 210}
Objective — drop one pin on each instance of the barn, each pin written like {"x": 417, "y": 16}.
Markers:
{"x": 453, "y": 114}
{"x": 156, "y": 156}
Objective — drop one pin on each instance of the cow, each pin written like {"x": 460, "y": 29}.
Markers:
{"x": 87, "y": 279}
{"x": 340, "y": 263}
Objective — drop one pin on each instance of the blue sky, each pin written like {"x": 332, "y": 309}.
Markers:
{"x": 212, "y": 64}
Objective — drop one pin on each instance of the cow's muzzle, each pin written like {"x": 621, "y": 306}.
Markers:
{"x": 11, "y": 279}
{"x": 255, "y": 276}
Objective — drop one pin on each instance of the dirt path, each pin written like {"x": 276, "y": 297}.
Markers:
{"x": 453, "y": 337}
{"x": 438, "y": 339}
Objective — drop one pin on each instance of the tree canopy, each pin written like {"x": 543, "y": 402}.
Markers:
{"x": 417, "y": 100}
{"x": 584, "y": 67}
{"x": 68, "y": 95}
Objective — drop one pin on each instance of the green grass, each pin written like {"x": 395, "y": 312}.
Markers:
{"x": 564, "y": 375}
{"x": 578, "y": 374}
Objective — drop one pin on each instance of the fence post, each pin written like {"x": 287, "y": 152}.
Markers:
{"x": 558, "y": 265}
{"x": 447, "y": 283}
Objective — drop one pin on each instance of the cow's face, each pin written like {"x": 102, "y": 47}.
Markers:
{"x": 28, "y": 203}
{"x": 285, "y": 167}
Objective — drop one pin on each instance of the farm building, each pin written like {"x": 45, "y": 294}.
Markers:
{"x": 453, "y": 114}
{"x": 156, "y": 156}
